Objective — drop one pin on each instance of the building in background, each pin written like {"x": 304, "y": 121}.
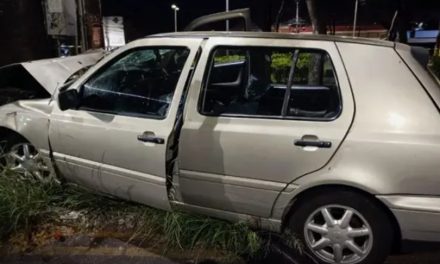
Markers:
{"x": 61, "y": 17}
{"x": 62, "y": 24}
{"x": 74, "y": 24}
{"x": 37, "y": 29}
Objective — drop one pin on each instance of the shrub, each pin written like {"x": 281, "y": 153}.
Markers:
{"x": 280, "y": 64}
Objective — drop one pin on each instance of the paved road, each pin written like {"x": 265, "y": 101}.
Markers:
{"x": 86, "y": 250}
{"x": 83, "y": 250}
{"x": 124, "y": 259}
{"x": 427, "y": 253}
{"x": 81, "y": 259}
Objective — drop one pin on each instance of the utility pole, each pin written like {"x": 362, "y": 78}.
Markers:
{"x": 227, "y": 10}
{"x": 76, "y": 29}
{"x": 82, "y": 26}
{"x": 297, "y": 16}
{"x": 175, "y": 8}
{"x": 356, "y": 7}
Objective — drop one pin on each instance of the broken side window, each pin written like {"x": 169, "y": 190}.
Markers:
{"x": 140, "y": 82}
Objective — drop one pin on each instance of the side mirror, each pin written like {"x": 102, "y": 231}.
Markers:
{"x": 68, "y": 99}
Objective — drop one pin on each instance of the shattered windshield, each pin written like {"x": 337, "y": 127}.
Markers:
{"x": 75, "y": 76}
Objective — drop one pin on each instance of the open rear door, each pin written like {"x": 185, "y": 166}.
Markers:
{"x": 242, "y": 14}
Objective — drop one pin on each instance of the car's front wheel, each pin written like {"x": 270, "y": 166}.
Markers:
{"x": 343, "y": 227}
{"x": 22, "y": 159}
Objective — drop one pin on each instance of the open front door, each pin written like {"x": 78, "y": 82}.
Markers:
{"x": 116, "y": 141}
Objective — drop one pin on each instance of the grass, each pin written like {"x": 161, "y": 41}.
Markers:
{"x": 24, "y": 204}
{"x": 21, "y": 204}
{"x": 191, "y": 231}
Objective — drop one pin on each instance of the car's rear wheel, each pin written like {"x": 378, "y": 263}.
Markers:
{"x": 22, "y": 159}
{"x": 343, "y": 227}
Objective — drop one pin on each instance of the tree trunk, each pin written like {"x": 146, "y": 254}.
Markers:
{"x": 403, "y": 24}
{"x": 279, "y": 15}
{"x": 316, "y": 68}
{"x": 316, "y": 17}
{"x": 262, "y": 13}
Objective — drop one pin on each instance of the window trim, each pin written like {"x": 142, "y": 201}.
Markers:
{"x": 207, "y": 75}
{"x": 109, "y": 64}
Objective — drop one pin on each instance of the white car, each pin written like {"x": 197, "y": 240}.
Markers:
{"x": 337, "y": 139}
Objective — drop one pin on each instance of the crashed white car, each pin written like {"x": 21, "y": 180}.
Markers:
{"x": 341, "y": 145}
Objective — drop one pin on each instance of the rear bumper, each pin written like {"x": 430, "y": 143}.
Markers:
{"x": 418, "y": 216}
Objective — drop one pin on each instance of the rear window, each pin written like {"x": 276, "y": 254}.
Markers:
{"x": 269, "y": 82}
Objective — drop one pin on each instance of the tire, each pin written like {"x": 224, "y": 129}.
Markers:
{"x": 334, "y": 235}
{"x": 7, "y": 143}
{"x": 20, "y": 158}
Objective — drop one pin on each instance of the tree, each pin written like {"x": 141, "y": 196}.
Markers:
{"x": 263, "y": 13}
{"x": 266, "y": 13}
{"x": 317, "y": 17}
{"x": 403, "y": 24}
{"x": 280, "y": 13}
{"x": 324, "y": 13}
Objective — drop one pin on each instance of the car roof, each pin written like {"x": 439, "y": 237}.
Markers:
{"x": 274, "y": 35}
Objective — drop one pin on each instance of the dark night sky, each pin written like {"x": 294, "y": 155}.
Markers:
{"x": 27, "y": 38}
{"x": 144, "y": 17}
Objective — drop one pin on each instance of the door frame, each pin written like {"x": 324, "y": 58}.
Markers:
{"x": 149, "y": 188}
{"x": 263, "y": 189}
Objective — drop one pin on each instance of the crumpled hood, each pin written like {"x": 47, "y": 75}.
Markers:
{"x": 52, "y": 73}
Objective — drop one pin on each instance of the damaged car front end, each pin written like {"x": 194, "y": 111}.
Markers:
{"x": 26, "y": 91}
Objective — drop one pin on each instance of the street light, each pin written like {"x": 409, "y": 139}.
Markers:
{"x": 175, "y": 8}
{"x": 297, "y": 16}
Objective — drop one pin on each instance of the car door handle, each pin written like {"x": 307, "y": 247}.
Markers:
{"x": 151, "y": 138}
{"x": 313, "y": 143}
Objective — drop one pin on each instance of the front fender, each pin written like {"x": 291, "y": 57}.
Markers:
{"x": 30, "y": 119}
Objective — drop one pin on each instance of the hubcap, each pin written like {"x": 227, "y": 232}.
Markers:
{"x": 338, "y": 234}
{"x": 24, "y": 160}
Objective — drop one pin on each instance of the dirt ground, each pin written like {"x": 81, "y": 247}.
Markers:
{"x": 84, "y": 250}
{"x": 65, "y": 246}
{"x": 426, "y": 258}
